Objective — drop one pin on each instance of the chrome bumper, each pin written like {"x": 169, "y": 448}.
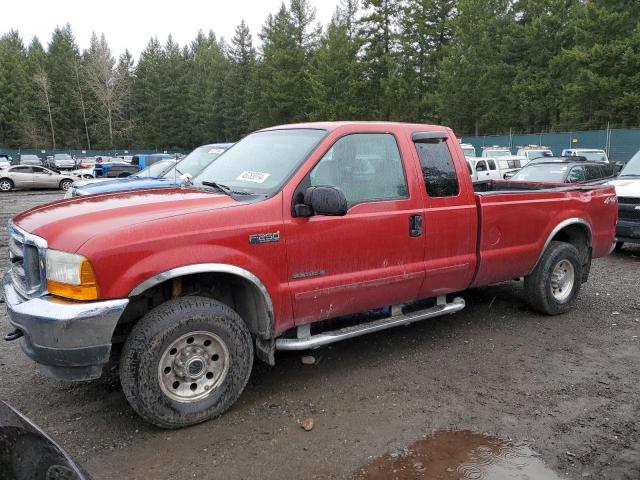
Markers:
{"x": 69, "y": 340}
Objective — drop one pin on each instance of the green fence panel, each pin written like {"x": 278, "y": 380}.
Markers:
{"x": 621, "y": 144}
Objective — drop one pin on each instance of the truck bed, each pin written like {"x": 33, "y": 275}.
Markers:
{"x": 517, "y": 220}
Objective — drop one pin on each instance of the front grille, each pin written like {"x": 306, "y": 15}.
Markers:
{"x": 629, "y": 200}
{"x": 629, "y": 214}
{"x": 27, "y": 266}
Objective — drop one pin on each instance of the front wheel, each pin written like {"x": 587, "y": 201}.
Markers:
{"x": 552, "y": 288}
{"x": 186, "y": 361}
{"x": 618, "y": 246}
{"x": 6, "y": 185}
{"x": 65, "y": 185}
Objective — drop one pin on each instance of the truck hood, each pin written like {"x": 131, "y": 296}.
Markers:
{"x": 68, "y": 224}
{"x": 123, "y": 184}
{"x": 626, "y": 187}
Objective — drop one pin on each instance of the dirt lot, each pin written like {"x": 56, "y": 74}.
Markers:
{"x": 566, "y": 386}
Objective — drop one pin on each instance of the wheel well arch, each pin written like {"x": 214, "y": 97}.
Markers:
{"x": 234, "y": 286}
{"x": 575, "y": 231}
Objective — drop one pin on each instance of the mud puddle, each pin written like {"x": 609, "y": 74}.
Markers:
{"x": 459, "y": 455}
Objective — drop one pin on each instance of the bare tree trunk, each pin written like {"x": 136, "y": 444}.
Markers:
{"x": 103, "y": 80}
{"x": 42, "y": 81}
{"x": 109, "y": 119}
{"x": 84, "y": 111}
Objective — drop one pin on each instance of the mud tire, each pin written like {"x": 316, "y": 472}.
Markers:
{"x": 537, "y": 285}
{"x": 149, "y": 339}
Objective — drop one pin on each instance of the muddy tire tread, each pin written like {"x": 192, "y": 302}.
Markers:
{"x": 536, "y": 284}
{"x": 138, "y": 370}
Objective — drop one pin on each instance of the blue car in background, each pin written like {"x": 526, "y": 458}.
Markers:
{"x": 113, "y": 169}
{"x": 162, "y": 174}
{"x": 146, "y": 160}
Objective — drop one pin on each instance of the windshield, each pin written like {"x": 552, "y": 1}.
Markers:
{"x": 595, "y": 156}
{"x": 469, "y": 151}
{"x": 156, "y": 170}
{"x": 539, "y": 153}
{"x": 542, "y": 173}
{"x": 262, "y": 161}
{"x": 632, "y": 168}
{"x": 496, "y": 153}
{"x": 196, "y": 161}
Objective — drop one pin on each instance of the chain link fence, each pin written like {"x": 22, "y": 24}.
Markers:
{"x": 619, "y": 143}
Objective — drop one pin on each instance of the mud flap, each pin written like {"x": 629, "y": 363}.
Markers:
{"x": 266, "y": 350}
{"x": 586, "y": 266}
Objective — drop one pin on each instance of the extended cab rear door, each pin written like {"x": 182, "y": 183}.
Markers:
{"x": 372, "y": 256}
{"x": 450, "y": 215}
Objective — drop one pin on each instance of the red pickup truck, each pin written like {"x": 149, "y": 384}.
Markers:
{"x": 274, "y": 247}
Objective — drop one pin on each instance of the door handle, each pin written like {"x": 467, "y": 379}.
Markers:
{"x": 415, "y": 225}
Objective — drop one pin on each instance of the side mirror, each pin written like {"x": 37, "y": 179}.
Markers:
{"x": 322, "y": 201}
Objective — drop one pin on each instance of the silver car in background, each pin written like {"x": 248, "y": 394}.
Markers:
{"x": 62, "y": 161}
{"x": 25, "y": 176}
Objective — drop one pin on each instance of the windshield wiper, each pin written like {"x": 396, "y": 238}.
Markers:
{"x": 225, "y": 189}
{"x": 218, "y": 186}
{"x": 630, "y": 175}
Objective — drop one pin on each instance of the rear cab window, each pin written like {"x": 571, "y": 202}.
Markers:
{"x": 438, "y": 170}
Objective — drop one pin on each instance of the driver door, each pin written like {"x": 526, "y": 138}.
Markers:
{"x": 368, "y": 258}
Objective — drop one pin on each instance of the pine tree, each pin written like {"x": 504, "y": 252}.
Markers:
{"x": 334, "y": 75}
{"x": 474, "y": 88}
{"x": 62, "y": 56}
{"x": 36, "y": 127}
{"x": 425, "y": 29}
{"x": 602, "y": 70}
{"x": 173, "y": 108}
{"x": 378, "y": 32}
{"x": 237, "y": 93}
{"x": 125, "y": 76}
{"x": 208, "y": 68}
{"x": 281, "y": 83}
{"x": 541, "y": 32}
{"x": 13, "y": 98}
{"x": 147, "y": 96}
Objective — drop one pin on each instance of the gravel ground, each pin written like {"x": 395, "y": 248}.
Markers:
{"x": 566, "y": 386}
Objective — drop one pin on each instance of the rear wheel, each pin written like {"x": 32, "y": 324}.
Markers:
{"x": 65, "y": 184}
{"x": 6, "y": 185}
{"x": 186, "y": 361}
{"x": 553, "y": 286}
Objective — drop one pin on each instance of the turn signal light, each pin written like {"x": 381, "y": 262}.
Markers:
{"x": 87, "y": 290}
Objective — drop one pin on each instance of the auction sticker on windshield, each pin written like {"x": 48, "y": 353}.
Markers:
{"x": 256, "y": 177}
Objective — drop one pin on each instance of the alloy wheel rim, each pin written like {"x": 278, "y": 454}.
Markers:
{"x": 5, "y": 186}
{"x": 193, "y": 366}
{"x": 562, "y": 280}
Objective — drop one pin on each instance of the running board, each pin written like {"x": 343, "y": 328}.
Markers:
{"x": 309, "y": 342}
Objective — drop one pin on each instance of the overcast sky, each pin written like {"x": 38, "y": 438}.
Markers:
{"x": 130, "y": 23}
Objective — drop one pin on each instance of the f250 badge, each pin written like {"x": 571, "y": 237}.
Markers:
{"x": 265, "y": 237}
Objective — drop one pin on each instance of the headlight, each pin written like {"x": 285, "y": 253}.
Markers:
{"x": 70, "y": 276}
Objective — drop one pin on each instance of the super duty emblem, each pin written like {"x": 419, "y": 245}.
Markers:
{"x": 264, "y": 237}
